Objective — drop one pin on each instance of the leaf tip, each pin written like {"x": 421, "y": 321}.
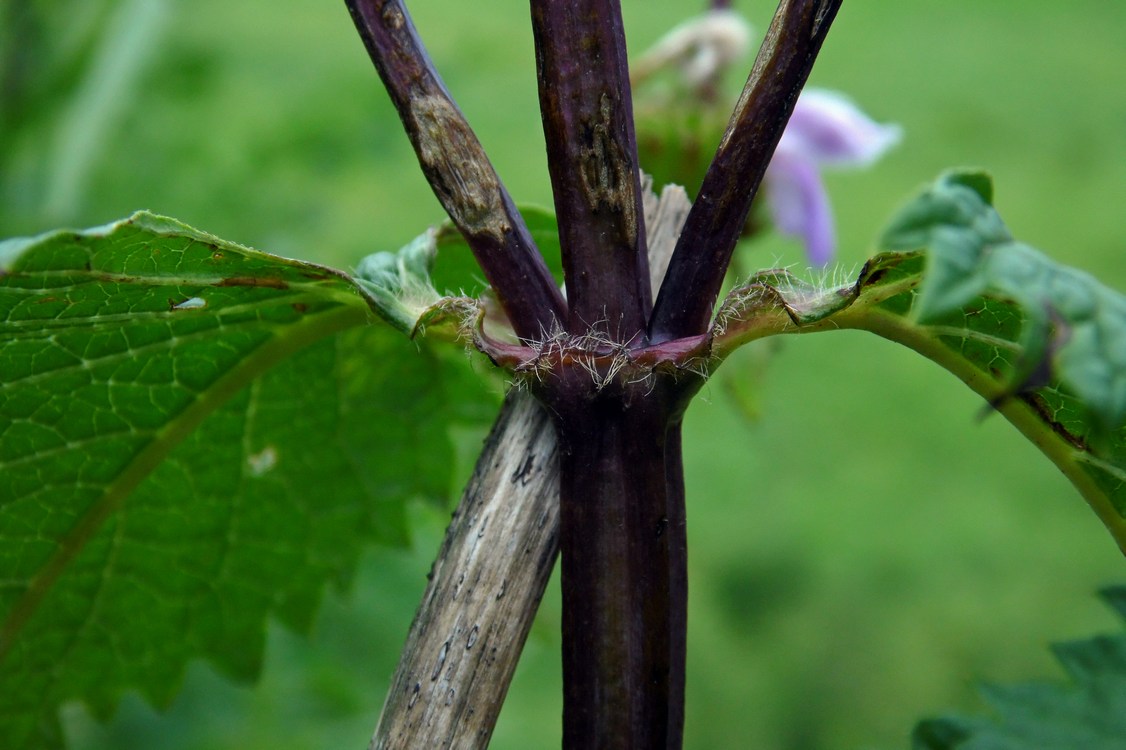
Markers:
{"x": 978, "y": 180}
{"x": 1115, "y": 597}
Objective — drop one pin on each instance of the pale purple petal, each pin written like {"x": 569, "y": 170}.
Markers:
{"x": 799, "y": 205}
{"x": 828, "y": 129}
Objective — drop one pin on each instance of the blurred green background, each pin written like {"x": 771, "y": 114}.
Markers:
{"x": 860, "y": 555}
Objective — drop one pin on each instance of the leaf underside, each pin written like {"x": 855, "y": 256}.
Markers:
{"x": 1043, "y": 344}
{"x": 193, "y": 436}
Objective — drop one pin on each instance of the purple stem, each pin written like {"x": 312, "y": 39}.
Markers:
{"x": 703, "y": 252}
{"x": 624, "y": 563}
{"x": 458, "y": 170}
{"x": 592, "y": 158}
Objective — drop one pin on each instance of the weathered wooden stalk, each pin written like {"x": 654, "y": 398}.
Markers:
{"x": 484, "y": 587}
{"x": 459, "y": 708}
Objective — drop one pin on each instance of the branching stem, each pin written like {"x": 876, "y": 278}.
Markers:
{"x": 622, "y": 518}
{"x": 703, "y": 252}
{"x": 458, "y": 170}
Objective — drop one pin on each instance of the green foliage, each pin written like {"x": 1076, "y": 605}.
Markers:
{"x": 398, "y": 284}
{"x": 68, "y": 69}
{"x": 1089, "y": 713}
{"x": 193, "y": 436}
{"x": 1069, "y": 317}
{"x": 1039, "y": 341}
{"x": 407, "y": 287}
{"x": 307, "y": 159}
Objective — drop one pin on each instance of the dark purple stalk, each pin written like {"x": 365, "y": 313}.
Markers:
{"x": 617, "y": 403}
{"x": 624, "y": 563}
{"x": 592, "y": 158}
{"x": 458, "y": 170}
{"x": 703, "y": 252}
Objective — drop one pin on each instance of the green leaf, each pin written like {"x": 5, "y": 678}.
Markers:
{"x": 1088, "y": 713}
{"x": 403, "y": 286}
{"x": 193, "y": 436}
{"x": 1043, "y": 344}
{"x": 455, "y": 272}
{"x": 398, "y": 284}
{"x": 971, "y": 253}
{"x": 955, "y": 220}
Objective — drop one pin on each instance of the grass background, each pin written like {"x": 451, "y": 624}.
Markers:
{"x": 861, "y": 554}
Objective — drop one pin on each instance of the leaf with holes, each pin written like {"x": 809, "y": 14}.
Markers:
{"x": 193, "y": 437}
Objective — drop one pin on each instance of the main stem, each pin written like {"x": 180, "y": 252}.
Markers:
{"x": 592, "y": 159}
{"x": 622, "y": 534}
{"x": 624, "y": 564}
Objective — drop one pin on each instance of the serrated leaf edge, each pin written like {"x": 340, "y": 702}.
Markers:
{"x": 309, "y": 329}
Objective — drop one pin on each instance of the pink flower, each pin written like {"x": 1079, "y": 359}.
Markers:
{"x": 825, "y": 130}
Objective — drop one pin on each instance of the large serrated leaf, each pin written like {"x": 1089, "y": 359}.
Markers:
{"x": 1088, "y": 713}
{"x": 1042, "y": 343}
{"x": 193, "y": 436}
